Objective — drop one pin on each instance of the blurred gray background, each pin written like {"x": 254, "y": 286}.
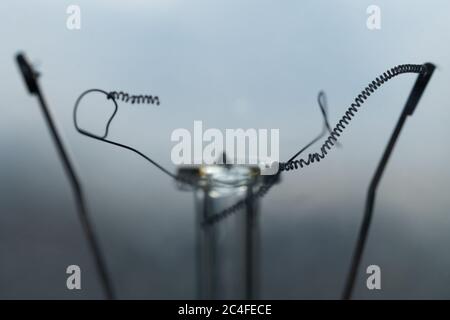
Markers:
{"x": 249, "y": 64}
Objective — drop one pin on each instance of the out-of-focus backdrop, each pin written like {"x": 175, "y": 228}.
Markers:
{"x": 232, "y": 64}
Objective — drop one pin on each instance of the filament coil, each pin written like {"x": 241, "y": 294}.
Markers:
{"x": 138, "y": 99}
{"x": 350, "y": 114}
{"x": 331, "y": 141}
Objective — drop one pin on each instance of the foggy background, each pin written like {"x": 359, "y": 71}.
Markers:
{"x": 231, "y": 64}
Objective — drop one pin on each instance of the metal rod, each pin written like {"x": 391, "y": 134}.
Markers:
{"x": 252, "y": 247}
{"x": 408, "y": 110}
{"x": 30, "y": 77}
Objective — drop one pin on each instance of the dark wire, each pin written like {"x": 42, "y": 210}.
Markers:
{"x": 112, "y": 96}
{"x": 349, "y": 114}
{"x": 30, "y": 76}
{"x": 322, "y": 102}
{"x": 408, "y": 110}
{"x": 79, "y": 201}
{"x": 263, "y": 189}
